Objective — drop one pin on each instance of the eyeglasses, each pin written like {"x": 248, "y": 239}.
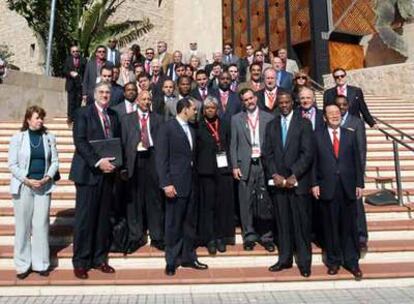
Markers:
{"x": 339, "y": 76}
{"x": 301, "y": 77}
{"x": 149, "y": 53}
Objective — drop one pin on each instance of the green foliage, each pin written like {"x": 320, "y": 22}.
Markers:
{"x": 82, "y": 21}
{"x": 386, "y": 11}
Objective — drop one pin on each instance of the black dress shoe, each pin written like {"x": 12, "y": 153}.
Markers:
{"x": 105, "y": 268}
{"x": 158, "y": 244}
{"x": 170, "y": 270}
{"x": 278, "y": 267}
{"x": 221, "y": 246}
{"x": 23, "y": 275}
{"x": 304, "y": 272}
{"x": 269, "y": 246}
{"x": 195, "y": 265}
{"x": 333, "y": 270}
{"x": 44, "y": 273}
{"x": 363, "y": 246}
{"x": 81, "y": 273}
{"x": 357, "y": 273}
{"x": 248, "y": 246}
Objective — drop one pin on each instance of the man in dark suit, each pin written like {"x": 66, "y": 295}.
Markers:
{"x": 92, "y": 71}
{"x": 229, "y": 57}
{"x": 355, "y": 96}
{"x": 112, "y": 54}
{"x": 288, "y": 155}
{"x": 229, "y": 101}
{"x": 308, "y": 109}
{"x": 357, "y": 125}
{"x": 128, "y": 105}
{"x": 217, "y": 59}
{"x": 337, "y": 179}
{"x": 177, "y": 57}
{"x": 283, "y": 79}
{"x": 266, "y": 98}
{"x": 201, "y": 91}
{"x": 174, "y": 151}
{"x": 73, "y": 69}
{"x": 144, "y": 204}
{"x": 93, "y": 177}
{"x": 247, "y": 141}
{"x": 245, "y": 62}
{"x": 117, "y": 91}
{"x": 165, "y": 103}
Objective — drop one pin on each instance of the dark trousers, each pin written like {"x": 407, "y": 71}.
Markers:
{"x": 293, "y": 226}
{"x": 92, "y": 229}
{"x": 340, "y": 229}
{"x": 145, "y": 205}
{"x": 253, "y": 229}
{"x": 180, "y": 230}
{"x": 74, "y": 102}
{"x": 362, "y": 222}
{"x": 216, "y": 209}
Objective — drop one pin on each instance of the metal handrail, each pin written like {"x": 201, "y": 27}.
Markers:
{"x": 402, "y": 133}
{"x": 395, "y": 142}
{"x": 317, "y": 86}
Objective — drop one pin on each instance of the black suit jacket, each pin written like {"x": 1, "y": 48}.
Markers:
{"x": 88, "y": 127}
{"x": 297, "y": 155}
{"x": 233, "y": 106}
{"x": 261, "y": 103}
{"x": 74, "y": 83}
{"x": 175, "y": 158}
{"x": 211, "y": 91}
{"x": 327, "y": 168}
{"x": 131, "y": 135}
{"x": 357, "y": 105}
{"x": 356, "y": 124}
{"x": 207, "y": 148}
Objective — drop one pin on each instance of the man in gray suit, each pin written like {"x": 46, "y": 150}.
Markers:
{"x": 355, "y": 124}
{"x": 247, "y": 137}
{"x": 229, "y": 57}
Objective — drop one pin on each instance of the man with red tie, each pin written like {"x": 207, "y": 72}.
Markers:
{"x": 94, "y": 180}
{"x": 337, "y": 180}
{"x": 144, "y": 207}
{"x": 149, "y": 56}
{"x": 201, "y": 91}
{"x": 357, "y": 105}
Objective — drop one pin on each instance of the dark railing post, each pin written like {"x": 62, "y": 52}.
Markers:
{"x": 397, "y": 172}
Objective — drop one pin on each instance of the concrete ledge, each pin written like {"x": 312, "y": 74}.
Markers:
{"x": 388, "y": 80}
{"x": 29, "y": 80}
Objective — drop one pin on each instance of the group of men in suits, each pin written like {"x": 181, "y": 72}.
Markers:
{"x": 279, "y": 156}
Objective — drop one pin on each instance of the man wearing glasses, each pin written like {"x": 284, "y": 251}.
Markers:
{"x": 357, "y": 105}
{"x": 73, "y": 68}
{"x": 92, "y": 72}
{"x": 149, "y": 56}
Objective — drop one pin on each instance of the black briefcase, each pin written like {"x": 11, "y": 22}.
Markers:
{"x": 382, "y": 198}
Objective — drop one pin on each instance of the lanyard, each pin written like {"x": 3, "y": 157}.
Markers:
{"x": 253, "y": 126}
{"x": 214, "y": 127}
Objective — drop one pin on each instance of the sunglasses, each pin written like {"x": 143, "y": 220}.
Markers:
{"x": 302, "y": 77}
{"x": 101, "y": 52}
{"x": 149, "y": 53}
{"x": 339, "y": 76}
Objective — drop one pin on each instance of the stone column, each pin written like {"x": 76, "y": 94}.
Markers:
{"x": 198, "y": 21}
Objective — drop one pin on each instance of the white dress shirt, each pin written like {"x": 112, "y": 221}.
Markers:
{"x": 128, "y": 104}
{"x": 338, "y": 134}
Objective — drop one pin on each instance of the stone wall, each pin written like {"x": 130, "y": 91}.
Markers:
{"x": 15, "y": 33}
{"x": 387, "y": 80}
{"x": 21, "y": 90}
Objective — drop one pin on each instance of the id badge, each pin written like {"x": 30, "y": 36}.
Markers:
{"x": 255, "y": 151}
{"x": 222, "y": 160}
{"x": 141, "y": 148}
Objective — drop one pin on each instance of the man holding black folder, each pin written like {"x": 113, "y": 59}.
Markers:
{"x": 93, "y": 177}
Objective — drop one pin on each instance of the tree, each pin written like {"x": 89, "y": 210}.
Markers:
{"x": 78, "y": 21}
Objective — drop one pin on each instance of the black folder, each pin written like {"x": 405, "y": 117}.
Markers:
{"x": 110, "y": 147}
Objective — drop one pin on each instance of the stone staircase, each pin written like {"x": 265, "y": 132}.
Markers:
{"x": 388, "y": 262}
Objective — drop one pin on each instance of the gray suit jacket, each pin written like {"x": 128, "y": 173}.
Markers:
{"x": 355, "y": 124}
{"x": 241, "y": 143}
{"x": 120, "y": 110}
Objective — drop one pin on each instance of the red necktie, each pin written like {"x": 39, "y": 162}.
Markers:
{"x": 335, "y": 144}
{"x": 203, "y": 93}
{"x": 144, "y": 131}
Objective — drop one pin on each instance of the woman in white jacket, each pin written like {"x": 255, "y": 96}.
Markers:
{"x": 33, "y": 162}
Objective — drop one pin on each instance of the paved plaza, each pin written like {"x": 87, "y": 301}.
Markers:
{"x": 352, "y": 296}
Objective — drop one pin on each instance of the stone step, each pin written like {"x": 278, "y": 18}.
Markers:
{"x": 154, "y": 281}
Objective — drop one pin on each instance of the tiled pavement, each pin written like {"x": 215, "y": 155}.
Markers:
{"x": 341, "y": 296}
